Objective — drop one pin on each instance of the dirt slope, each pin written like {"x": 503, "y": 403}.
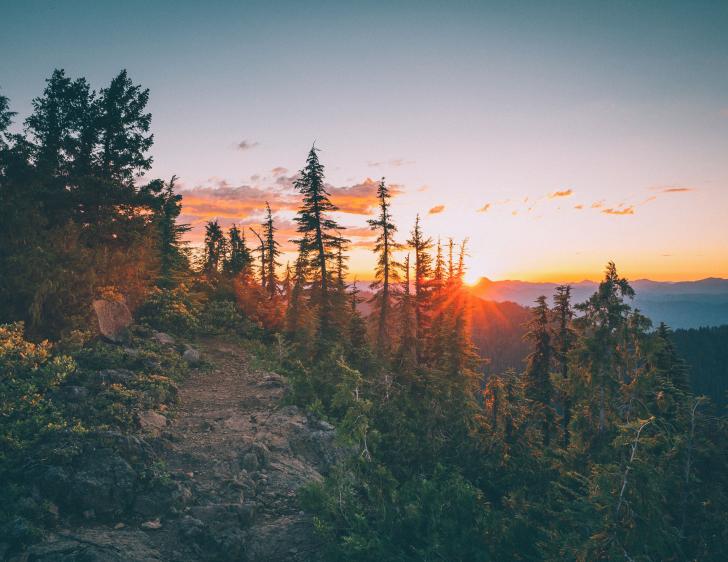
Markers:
{"x": 235, "y": 457}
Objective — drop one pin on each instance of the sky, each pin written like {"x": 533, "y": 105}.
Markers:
{"x": 554, "y": 135}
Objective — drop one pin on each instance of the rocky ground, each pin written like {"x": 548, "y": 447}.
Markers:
{"x": 231, "y": 458}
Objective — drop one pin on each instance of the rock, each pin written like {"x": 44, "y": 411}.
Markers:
{"x": 152, "y": 525}
{"x": 116, "y": 376}
{"x": 94, "y": 545}
{"x": 72, "y": 392}
{"x": 151, "y": 421}
{"x": 113, "y": 318}
{"x": 272, "y": 381}
{"x": 191, "y": 528}
{"x": 192, "y": 356}
{"x": 163, "y": 338}
{"x": 119, "y": 526}
{"x": 250, "y": 461}
{"x": 325, "y": 426}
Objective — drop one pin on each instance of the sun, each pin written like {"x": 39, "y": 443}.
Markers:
{"x": 471, "y": 278}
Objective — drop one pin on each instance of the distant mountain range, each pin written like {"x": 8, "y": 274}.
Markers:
{"x": 683, "y": 304}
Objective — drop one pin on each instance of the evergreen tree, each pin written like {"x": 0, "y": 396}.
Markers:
{"x": 536, "y": 381}
{"x": 123, "y": 130}
{"x": 318, "y": 242}
{"x": 238, "y": 259}
{"x": 564, "y": 337}
{"x": 272, "y": 252}
{"x": 385, "y": 273}
{"x": 407, "y": 352}
{"x": 287, "y": 282}
{"x": 173, "y": 259}
{"x": 422, "y": 288}
{"x": 215, "y": 248}
{"x": 263, "y": 259}
{"x": 603, "y": 326}
{"x": 669, "y": 366}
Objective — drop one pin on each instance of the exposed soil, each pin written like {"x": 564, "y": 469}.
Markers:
{"x": 236, "y": 457}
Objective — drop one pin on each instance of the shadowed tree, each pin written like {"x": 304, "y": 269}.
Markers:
{"x": 238, "y": 258}
{"x": 263, "y": 260}
{"x": 124, "y": 130}
{"x": 173, "y": 260}
{"x": 536, "y": 381}
{"x": 215, "y": 248}
{"x": 318, "y": 242}
{"x": 563, "y": 342}
{"x": 272, "y": 252}
{"x": 385, "y": 273}
{"x": 422, "y": 289}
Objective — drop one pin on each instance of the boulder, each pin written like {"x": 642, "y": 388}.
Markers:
{"x": 113, "y": 318}
{"x": 151, "y": 421}
{"x": 191, "y": 355}
{"x": 73, "y": 393}
{"x": 115, "y": 376}
{"x": 163, "y": 338}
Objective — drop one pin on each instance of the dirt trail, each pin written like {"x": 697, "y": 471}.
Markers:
{"x": 235, "y": 457}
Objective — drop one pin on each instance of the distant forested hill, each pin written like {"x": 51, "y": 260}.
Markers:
{"x": 705, "y": 350}
{"x": 498, "y": 330}
{"x": 686, "y": 304}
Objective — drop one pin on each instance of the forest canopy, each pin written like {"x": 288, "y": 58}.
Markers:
{"x": 597, "y": 449}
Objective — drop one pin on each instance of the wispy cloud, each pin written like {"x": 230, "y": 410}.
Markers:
{"x": 247, "y": 145}
{"x": 393, "y": 163}
{"x": 485, "y": 208}
{"x": 359, "y": 199}
{"x": 243, "y": 204}
{"x": 578, "y": 207}
{"x": 437, "y": 209}
{"x": 564, "y": 193}
{"x": 676, "y": 189}
{"x": 619, "y": 210}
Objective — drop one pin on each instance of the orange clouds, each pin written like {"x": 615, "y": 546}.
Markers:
{"x": 619, "y": 211}
{"x": 485, "y": 208}
{"x": 244, "y": 204}
{"x": 437, "y": 209}
{"x": 359, "y": 199}
{"x": 564, "y": 193}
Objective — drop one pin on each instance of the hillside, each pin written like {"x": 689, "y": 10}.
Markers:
{"x": 685, "y": 304}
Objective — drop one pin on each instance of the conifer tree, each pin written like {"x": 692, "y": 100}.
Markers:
{"x": 215, "y": 248}
{"x": 407, "y": 352}
{"x": 124, "y": 130}
{"x": 385, "y": 273}
{"x": 263, "y": 258}
{"x": 51, "y": 125}
{"x": 564, "y": 337}
{"x": 319, "y": 241}
{"x": 238, "y": 258}
{"x": 173, "y": 259}
{"x": 602, "y": 325}
{"x": 667, "y": 362}
{"x": 536, "y": 381}
{"x": 287, "y": 282}
{"x": 422, "y": 269}
{"x": 272, "y": 252}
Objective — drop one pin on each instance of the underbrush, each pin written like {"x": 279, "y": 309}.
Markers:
{"x": 69, "y": 409}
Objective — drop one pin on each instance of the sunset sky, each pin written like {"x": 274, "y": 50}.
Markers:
{"x": 555, "y": 135}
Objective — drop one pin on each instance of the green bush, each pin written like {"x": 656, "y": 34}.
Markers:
{"x": 170, "y": 310}
{"x": 28, "y": 374}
